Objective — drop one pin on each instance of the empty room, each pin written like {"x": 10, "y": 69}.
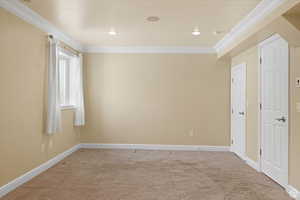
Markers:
{"x": 150, "y": 100}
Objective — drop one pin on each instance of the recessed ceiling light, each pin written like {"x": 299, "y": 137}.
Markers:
{"x": 218, "y": 32}
{"x": 112, "y": 32}
{"x": 196, "y": 33}
{"x": 153, "y": 19}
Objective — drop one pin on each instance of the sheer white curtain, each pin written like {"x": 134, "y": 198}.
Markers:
{"x": 54, "y": 110}
{"x": 77, "y": 87}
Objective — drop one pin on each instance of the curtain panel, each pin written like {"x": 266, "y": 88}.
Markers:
{"x": 54, "y": 110}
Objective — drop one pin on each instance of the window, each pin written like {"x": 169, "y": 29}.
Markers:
{"x": 65, "y": 86}
{"x": 66, "y": 77}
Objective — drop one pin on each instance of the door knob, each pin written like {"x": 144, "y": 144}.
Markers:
{"x": 242, "y": 113}
{"x": 282, "y": 119}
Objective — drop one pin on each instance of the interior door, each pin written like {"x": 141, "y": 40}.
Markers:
{"x": 275, "y": 87}
{"x": 238, "y": 109}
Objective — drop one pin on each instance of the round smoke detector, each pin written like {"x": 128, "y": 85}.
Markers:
{"x": 153, "y": 19}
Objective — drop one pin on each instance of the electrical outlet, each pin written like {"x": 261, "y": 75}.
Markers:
{"x": 50, "y": 144}
{"x": 43, "y": 148}
{"x": 298, "y": 82}
{"x": 192, "y": 133}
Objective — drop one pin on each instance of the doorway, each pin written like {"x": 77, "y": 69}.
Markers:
{"x": 238, "y": 110}
{"x": 274, "y": 59}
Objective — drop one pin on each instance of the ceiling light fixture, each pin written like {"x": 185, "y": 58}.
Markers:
{"x": 218, "y": 32}
{"x": 112, "y": 32}
{"x": 196, "y": 32}
{"x": 153, "y": 19}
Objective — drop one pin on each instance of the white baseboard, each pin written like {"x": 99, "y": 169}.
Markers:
{"x": 36, "y": 171}
{"x": 252, "y": 164}
{"x": 155, "y": 147}
{"x": 293, "y": 192}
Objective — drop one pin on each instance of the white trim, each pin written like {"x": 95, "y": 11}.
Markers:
{"x": 231, "y": 146}
{"x": 262, "y": 10}
{"x": 232, "y": 149}
{"x": 252, "y": 163}
{"x": 149, "y": 49}
{"x": 25, "y": 13}
{"x": 259, "y": 131}
{"x": 268, "y": 40}
{"x": 293, "y": 192}
{"x": 36, "y": 171}
{"x": 155, "y": 147}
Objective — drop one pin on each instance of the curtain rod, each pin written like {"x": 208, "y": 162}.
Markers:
{"x": 65, "y": 46}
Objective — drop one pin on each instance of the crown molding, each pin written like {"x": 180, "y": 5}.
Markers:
{"x": 28, "y": 15}
{"x": 150, "y": 49}
{"x": 264, "y": 8}
{"x": 261, "y": 11}
{"x": 25, "y": 13}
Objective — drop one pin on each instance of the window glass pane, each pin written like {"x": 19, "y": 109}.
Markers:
{"x": 72, "y": 80}
{"x": 67, "y": 82}
{"x": 62, "y": 80}
{"x": 67, "y": 79}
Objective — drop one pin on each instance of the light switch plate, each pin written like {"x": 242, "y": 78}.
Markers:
{"x": 298, "y": 82}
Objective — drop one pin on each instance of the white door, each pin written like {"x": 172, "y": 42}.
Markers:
{"x": 238, "y": 109}
{"x": 274, "y": 115}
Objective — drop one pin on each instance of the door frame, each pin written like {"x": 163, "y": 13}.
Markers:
{"x": 260, "y": 132}
{"x": 244, "y": 67}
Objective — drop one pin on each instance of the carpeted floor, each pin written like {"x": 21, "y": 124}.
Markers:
{"x": 149, "y": 175}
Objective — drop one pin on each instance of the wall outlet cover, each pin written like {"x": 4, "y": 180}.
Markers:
{"x": 298, "y": 82}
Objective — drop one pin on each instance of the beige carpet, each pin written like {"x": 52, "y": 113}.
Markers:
{"x": 149, "y": 175}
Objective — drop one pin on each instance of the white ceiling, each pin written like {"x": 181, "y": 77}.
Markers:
{"x": 89, "y": 21}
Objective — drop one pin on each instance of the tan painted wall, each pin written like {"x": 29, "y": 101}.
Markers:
{"x": 250, "y": 57}
{"x": 294, "y": 118}
{"x": 23, "y": 145}
{"x": 294, "y": 19}
{"x": 157, "y": 99}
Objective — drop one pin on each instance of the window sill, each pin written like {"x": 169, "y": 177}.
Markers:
{"x": 67, "y": 107}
